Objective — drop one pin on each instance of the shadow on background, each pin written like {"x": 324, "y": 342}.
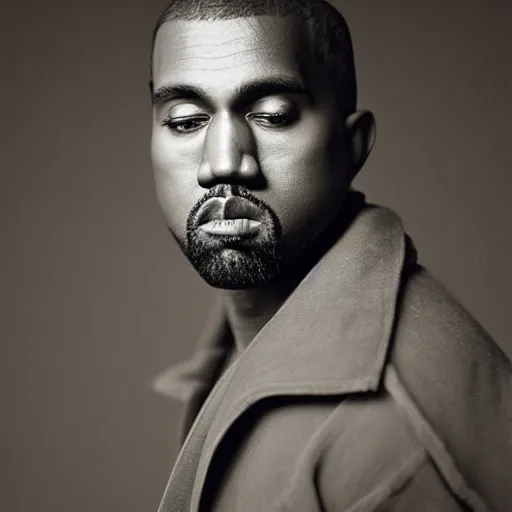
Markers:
{"x": 99, "y": 299}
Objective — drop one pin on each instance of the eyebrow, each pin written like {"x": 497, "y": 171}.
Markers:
{"x": 246, "y": 93}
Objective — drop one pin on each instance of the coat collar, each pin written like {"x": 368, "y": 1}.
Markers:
{"x": 331, "y": 334}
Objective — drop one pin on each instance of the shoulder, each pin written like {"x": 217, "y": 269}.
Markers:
{"x": 442, "y": 418}
{"x": 437, "y": 342}
{"x": 455, "y": 385}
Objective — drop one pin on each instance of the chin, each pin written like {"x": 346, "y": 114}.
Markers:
{"x": 234, "y": 270}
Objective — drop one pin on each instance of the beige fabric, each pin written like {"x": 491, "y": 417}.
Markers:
{"x": 370, "y": 389}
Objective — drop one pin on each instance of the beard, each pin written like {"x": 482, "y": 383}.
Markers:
{"x": 235, "y": 262}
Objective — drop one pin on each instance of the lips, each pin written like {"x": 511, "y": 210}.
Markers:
{"x": 233, "y": 207}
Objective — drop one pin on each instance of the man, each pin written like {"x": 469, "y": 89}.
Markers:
{"x": 336, "y": 374}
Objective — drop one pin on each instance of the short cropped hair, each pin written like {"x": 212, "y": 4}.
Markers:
{"x": 328, "y": 34}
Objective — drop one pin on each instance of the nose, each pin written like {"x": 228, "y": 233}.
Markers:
{"x": 228, "y": 154}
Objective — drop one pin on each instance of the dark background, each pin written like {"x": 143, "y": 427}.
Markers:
{"x": 98, "y": 299}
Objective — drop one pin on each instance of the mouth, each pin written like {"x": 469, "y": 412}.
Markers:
{"x": 232, "y": 216}
{"x": 231, "y": 227}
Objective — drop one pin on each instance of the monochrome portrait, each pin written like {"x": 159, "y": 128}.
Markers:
{"x": 258, "y": 257}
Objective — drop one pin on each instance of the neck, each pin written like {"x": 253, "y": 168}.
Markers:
{"x": 249, "y": 310}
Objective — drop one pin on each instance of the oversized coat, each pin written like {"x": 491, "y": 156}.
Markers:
{"x": 371, "y": 389}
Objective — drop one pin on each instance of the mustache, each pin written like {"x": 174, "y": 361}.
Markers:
{"x": 225, "y": 191}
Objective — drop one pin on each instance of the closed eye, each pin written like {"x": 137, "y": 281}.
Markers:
{"x": 190, "y": 124}
{"x": 183, "y": 125}
{"x": 273, "y": 120}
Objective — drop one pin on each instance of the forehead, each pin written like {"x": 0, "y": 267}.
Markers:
{"x": 219, "y": 52}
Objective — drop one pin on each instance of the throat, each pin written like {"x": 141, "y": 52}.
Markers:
{"x": 249, "y": 310}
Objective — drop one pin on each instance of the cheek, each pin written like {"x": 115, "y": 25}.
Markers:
{"x": 309, "y": 183}
{"x": 176, "y": 184}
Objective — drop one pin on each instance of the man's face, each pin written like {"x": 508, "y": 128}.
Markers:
{"x": 247, "y": 146}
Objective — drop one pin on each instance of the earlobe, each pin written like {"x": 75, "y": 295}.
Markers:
{"x": 361, "y": 132}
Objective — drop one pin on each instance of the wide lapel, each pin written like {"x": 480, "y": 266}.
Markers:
{"x": 330, "y": 337}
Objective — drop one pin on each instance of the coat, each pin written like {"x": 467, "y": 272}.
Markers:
{"x": 371, "y": 389}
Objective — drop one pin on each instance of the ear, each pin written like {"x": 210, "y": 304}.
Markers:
{"x": 360, "y": 132}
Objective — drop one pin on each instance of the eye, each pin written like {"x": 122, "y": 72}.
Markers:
{"x": 273, "y": 120}
{"x": 183, "y": 125}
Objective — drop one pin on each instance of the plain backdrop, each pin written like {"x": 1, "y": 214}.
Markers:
{"x": 96, "y": 297}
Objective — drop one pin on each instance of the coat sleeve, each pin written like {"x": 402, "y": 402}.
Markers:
{"x": 374, "y": 460}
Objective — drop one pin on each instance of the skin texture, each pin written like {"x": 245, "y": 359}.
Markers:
{"x": 298, "y": 166}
